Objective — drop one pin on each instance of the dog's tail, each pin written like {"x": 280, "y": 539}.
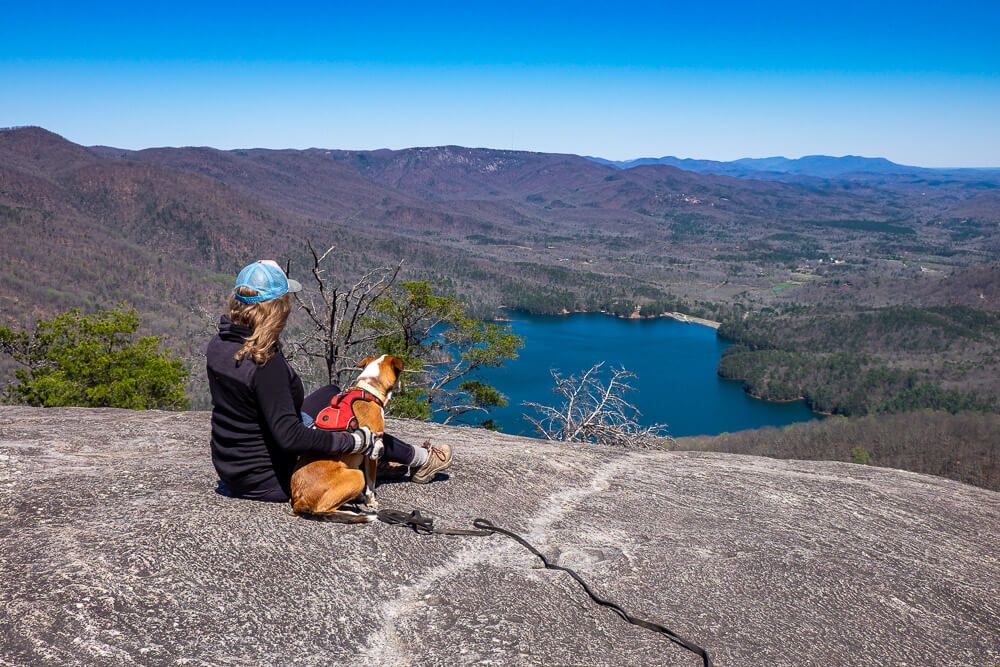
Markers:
{"x": 339, "y": 516}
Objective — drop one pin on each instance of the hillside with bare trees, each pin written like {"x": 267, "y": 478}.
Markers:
{"x": 964, "y": 447}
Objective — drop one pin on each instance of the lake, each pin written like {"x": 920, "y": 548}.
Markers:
{"x": 675, "y": 364}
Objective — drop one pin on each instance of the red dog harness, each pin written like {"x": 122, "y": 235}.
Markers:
{"x": 339, "y": 415}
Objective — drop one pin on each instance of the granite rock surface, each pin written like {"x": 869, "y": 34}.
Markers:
{"x": 115, "y": 549}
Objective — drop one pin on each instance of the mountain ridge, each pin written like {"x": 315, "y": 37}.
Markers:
{"x": 166, "y": 229}
{"x": 416, "y": 196}
{"x": 428, "y": 198}
{"x": 819, "y": 166}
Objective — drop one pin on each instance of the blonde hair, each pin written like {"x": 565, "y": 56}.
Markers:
{"x": 265, "y": 319}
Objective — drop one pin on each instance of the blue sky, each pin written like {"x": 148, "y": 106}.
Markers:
{"x": 916, "y": 82}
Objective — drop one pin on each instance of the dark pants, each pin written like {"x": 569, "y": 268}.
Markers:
{"x": 395, "y": 450}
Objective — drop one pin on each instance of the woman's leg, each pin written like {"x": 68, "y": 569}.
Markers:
{"x": 316, "y": 401}
{"x": 398, "y": 451}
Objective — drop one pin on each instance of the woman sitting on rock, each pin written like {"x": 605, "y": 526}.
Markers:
{"x": 259, "y": 408}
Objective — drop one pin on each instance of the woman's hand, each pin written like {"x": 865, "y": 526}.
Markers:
{"x": 368, "y": 442}
{"x": 377, "y": 447}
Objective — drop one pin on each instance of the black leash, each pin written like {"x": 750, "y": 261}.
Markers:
{"x": 424, "y": 525}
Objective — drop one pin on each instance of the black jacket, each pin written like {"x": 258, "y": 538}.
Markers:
{"x": 257, "y": 430}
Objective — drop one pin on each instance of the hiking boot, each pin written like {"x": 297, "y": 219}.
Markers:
{"x": 438, "y": 459}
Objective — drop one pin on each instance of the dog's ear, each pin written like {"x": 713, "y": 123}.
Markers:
{"x": 397, "y": 365}
{"x": 364, "y": 362}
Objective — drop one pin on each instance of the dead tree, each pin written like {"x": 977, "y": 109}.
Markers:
{"x": 200, "y": 325}
{"x": 337, "y": 334}
{"x": 593, "y": 409}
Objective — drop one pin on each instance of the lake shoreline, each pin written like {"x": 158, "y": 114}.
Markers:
{"x": 700, "y": 321}
{"x": 803, "y": 399}
{"x": 677, "y": 370}
{"x": 672, "y": 315}
{"x": 686, "y": 319}
{"x": 691, "y": 319}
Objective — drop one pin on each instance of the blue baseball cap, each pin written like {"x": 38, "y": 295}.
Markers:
{"x": 267, "y": 279}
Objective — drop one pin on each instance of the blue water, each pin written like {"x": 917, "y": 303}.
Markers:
{"x": 675, "y": 364}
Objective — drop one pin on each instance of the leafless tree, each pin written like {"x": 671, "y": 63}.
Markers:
{"x": 594, "y": 409}
{"x": 200, "y": 325}
{"x": 336, "y": 334}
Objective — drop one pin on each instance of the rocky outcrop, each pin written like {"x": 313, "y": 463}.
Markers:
{"x": 115, "y": 549}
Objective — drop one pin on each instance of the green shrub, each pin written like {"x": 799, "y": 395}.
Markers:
{"x": 93, "y": 360}
{"x": 861, "y": 456}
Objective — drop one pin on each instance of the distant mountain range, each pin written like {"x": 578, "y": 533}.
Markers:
{"x": 818, "y": 166}
{"x": 167, "y": 228}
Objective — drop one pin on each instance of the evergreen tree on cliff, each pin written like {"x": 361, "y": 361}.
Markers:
{"x": 92, "y": 360}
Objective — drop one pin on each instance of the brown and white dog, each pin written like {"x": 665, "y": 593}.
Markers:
{"x": 322, "y": 484}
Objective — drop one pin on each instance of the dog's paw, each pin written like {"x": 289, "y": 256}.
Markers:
{"x": 371, "y": 502}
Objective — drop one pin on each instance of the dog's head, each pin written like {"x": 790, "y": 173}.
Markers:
{"x": 382, "y": 372}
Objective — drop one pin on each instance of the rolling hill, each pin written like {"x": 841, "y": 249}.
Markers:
{"x": 534, "y": 230}
{"x": 166, "y": 228}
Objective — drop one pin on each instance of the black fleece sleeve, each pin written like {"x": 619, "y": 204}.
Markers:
{"x": 274, "y": 399}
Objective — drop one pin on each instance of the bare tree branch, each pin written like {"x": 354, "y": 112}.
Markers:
{"x": 595, "y": 410}
{"x": 337, "y": 317}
